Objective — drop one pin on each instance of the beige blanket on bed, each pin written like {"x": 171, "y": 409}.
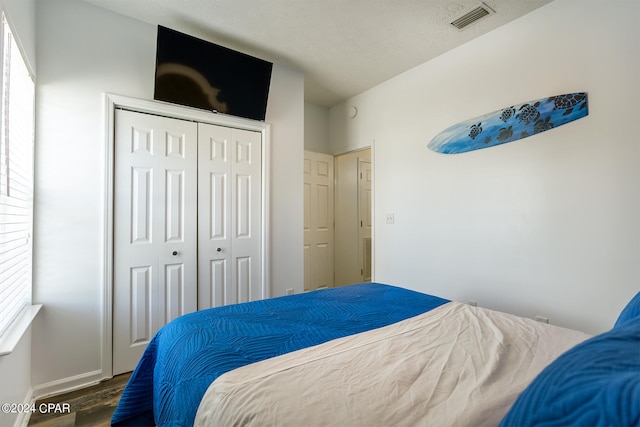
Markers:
{"x": 456, "y": 365}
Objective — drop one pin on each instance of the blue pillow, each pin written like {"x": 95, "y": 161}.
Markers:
{"x": 596, "y": 383}
{"x": 630, "y": 313}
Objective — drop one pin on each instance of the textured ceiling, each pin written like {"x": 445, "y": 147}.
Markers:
{"x": 343, "y": 47}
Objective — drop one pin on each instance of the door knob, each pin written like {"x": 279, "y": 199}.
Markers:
{"x": 219, "y": 250}
{"x": 174, "y": 253}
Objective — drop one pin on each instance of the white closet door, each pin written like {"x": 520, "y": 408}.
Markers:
{"x": 155, "y": 244}
{"x": 229, "y": 216}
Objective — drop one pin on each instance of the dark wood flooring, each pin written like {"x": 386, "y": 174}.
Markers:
{"x": 92, "y": 406}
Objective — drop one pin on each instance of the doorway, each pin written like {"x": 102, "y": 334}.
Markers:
{"x": 338, "y": 219}
{"x": 353, "y": 217}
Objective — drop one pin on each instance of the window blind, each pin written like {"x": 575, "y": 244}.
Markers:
{"x": 16, "y": 180}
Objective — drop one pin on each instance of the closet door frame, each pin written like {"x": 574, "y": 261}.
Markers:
{"x": 113, "y": 102}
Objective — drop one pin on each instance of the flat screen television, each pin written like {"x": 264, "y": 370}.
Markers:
{"x": 201, "y": 74}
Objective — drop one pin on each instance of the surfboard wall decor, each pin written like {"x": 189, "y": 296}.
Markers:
{"x": 511, "y": 123}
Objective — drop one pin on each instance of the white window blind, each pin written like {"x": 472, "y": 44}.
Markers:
{"x": 16, "y": 180}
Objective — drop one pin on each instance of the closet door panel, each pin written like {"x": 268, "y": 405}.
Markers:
{"x": 247, "y": 220}
{"x": 155, "y": 240}
{"x": 214, "y": 216}
{"x": 229, "y": 215}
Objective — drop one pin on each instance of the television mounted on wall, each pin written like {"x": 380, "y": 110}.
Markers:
{"x": 197, "y": 73}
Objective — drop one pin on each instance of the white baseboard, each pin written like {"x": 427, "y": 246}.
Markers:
{"x": 23, "y": 418}
{"x": 66, "y": 385}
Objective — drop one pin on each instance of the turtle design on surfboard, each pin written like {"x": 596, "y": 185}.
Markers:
{"x": 511, "y": 123}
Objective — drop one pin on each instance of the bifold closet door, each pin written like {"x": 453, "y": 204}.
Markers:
{"x": 155, "y": 241}
{"x": 229, "y": 215}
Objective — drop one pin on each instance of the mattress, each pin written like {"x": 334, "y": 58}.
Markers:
{"x": 455, "y": 365}
{"x": 188, "y": 354}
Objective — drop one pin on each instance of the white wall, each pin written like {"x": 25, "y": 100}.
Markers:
{"x": 316, "y": 128}
{"x": 83, "y": 52}
{"x": 21, "y": 15}
{"x": 15, "y": 379}
{"x": 15, "y": 368}
{"x": 546, "y": 225}
{"x": 285, "y": 111}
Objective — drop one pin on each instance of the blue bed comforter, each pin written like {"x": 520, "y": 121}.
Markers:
{"x": 189, "y": 353}
{"x": 596, "y": 383}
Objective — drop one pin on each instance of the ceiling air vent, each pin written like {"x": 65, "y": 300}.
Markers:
{"x": 474, "y": 15}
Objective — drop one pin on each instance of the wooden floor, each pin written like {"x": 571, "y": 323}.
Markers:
{"x": 92, "y": 406}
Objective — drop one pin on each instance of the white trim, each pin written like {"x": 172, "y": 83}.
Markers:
{"x": 373, "y": 212}
{"x": 23, "y": 418}
{"x": 66, "y": 385}
{"x": 10, "y": 339}
{"x": 112, "y": 102}
{"x": 266, "y": 208}
{"x": 161, "y": 108}
{"x": 107, "y": 301}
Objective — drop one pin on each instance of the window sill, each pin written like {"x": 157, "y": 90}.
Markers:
{"x": 9, "y": 340}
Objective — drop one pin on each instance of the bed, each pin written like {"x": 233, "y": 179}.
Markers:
{"x": 375, "y": 354}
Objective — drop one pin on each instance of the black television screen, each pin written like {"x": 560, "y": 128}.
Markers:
{"x": 201, "y": 74}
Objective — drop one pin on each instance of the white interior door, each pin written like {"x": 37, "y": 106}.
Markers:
{"x": 352, "y": 216}
{"x": 155, "y": 195}
{"x": 318, "y": 221}
{"x": 229, "y": 216}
